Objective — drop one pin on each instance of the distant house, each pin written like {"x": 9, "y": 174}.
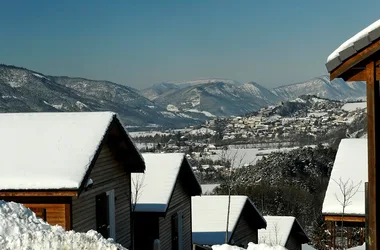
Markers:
{"x": 284, "y": 231}
{"x": 350, "y": 165}
{"x": 71, "y": 169}
{"x": 162, "y": 199}
{"x": 210, "y": 220}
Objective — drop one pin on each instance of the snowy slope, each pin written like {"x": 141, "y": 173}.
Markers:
{"x": 219, "y": 98}
{"x": 21, "y": 229}
{"x": 323, "y": 87}
{"x": 23, "y": 90}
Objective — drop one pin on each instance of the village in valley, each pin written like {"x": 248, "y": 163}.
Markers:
{"x": 293, "y": 173}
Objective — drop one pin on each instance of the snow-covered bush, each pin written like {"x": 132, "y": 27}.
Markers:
{"x": 21, "y": 229}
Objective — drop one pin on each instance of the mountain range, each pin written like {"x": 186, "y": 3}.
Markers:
{"x": 225, "y": 97}
{"x": 170, "y": 104}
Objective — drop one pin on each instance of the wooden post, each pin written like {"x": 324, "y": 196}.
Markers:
{"x": 373, "y": 150}
{"x": 366, "y": 215}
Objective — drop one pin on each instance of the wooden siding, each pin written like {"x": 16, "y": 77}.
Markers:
{"x": 180, "y": 201}
{"x": 55, "y": 213}
{"x": 244, "y": 233}
{"x": 107, "y": 174}
{"x": 57, "y": 209}
{"x": 293, "y": 243}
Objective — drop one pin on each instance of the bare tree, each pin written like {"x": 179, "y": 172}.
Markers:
{"x": 137, "y": 184}
{"x": 272, "y": 241}
{"x": 347, "y": 190}
{"x": 233, "y": 160}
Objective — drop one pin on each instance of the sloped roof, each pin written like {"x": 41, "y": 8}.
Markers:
{"x": 352, "y": 46}
{"x": 156, "y": 185}
{"x": 209, "y": 217}
{"x": 279, "y": 229}
{"x": 44, "y": 151}
{"x": 351, "y": 163}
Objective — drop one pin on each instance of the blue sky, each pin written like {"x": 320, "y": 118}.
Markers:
{"x": 139, "y": 43}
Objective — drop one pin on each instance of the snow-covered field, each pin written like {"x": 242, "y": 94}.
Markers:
{"x": 243, "y": 156}
{"x": 21, "y": 229}
{"x": 251, "y": 246}
{"x": 352, "y": 106}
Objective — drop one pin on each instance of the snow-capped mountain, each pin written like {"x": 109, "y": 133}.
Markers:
{"x": 219, "y": 98}
{"x": 227, "y": 97}
{"x": 172, "y": 104}
{"x": 321, "y": 86}
{"x": 23, "y": 90}
{"x": 159, "y": 89}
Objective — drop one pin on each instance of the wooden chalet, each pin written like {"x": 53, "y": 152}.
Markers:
{"x": 358, "y": 59}
{"x": 162, "y": 202}
{"x": 71, "y": 169}
{"x": 210, "y": 220}
{"x": 350, "y": 166}
{"x": 284, "y": 231}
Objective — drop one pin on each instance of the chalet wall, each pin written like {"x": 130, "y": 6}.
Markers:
{"x": 57, "y": 209}
{"x": 55, "y": 213}
{"x": 107, "y": 174}
{"x": 181, "y": 201}
{"x": 293, "y": 243}
{"x": 244, "y": 233}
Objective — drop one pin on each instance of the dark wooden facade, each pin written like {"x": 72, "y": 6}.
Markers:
{"x": 165, "y": 224}
{"x": 81, "y": 210}
{"x": 296, "y": 238}
{"x": 245, "y": 231}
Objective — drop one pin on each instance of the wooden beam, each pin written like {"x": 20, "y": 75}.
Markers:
{"x": 373, "y": 102}
{"x": 360, "y": 75}
{"x": 36, "y": 194}
{"x": 354, "y": 60}
{"x": 345, "y": 218}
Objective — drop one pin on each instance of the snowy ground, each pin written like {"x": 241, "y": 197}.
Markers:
{"x": 243, "y": 156}
{"x": 354, "y": 106}
{"x": 251, "y": 246}
{"x": 21, "y": 229}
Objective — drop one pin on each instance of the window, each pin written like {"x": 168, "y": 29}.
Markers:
{"x": 177, "y": 240}
{"x": 105, "y": 214}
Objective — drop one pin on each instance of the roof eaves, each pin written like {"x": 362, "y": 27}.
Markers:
{"x": 352, "y": 50}
{"x": 175, "y": 183}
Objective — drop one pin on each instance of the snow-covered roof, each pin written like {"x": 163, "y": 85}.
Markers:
{"x": 49, "y": 150}
{"x": 277, "y": 231}
{"x": 356, "y": 43}
{"x": 209, "y": 217}
{"x": 155, "y": 186}
{"x": 351, "y": 163}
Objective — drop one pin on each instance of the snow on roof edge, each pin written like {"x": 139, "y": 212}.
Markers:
{"x": 351, "y": 42}
{"x": 159, "y": 207}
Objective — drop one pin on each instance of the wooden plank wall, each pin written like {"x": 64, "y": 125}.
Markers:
{"x": 107, "y": 174}
{"x": 293, "y": 243}
{"x": 181, "y": 201}
{"x": 55, "y": 213}
{"x": 244, "y": 233}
